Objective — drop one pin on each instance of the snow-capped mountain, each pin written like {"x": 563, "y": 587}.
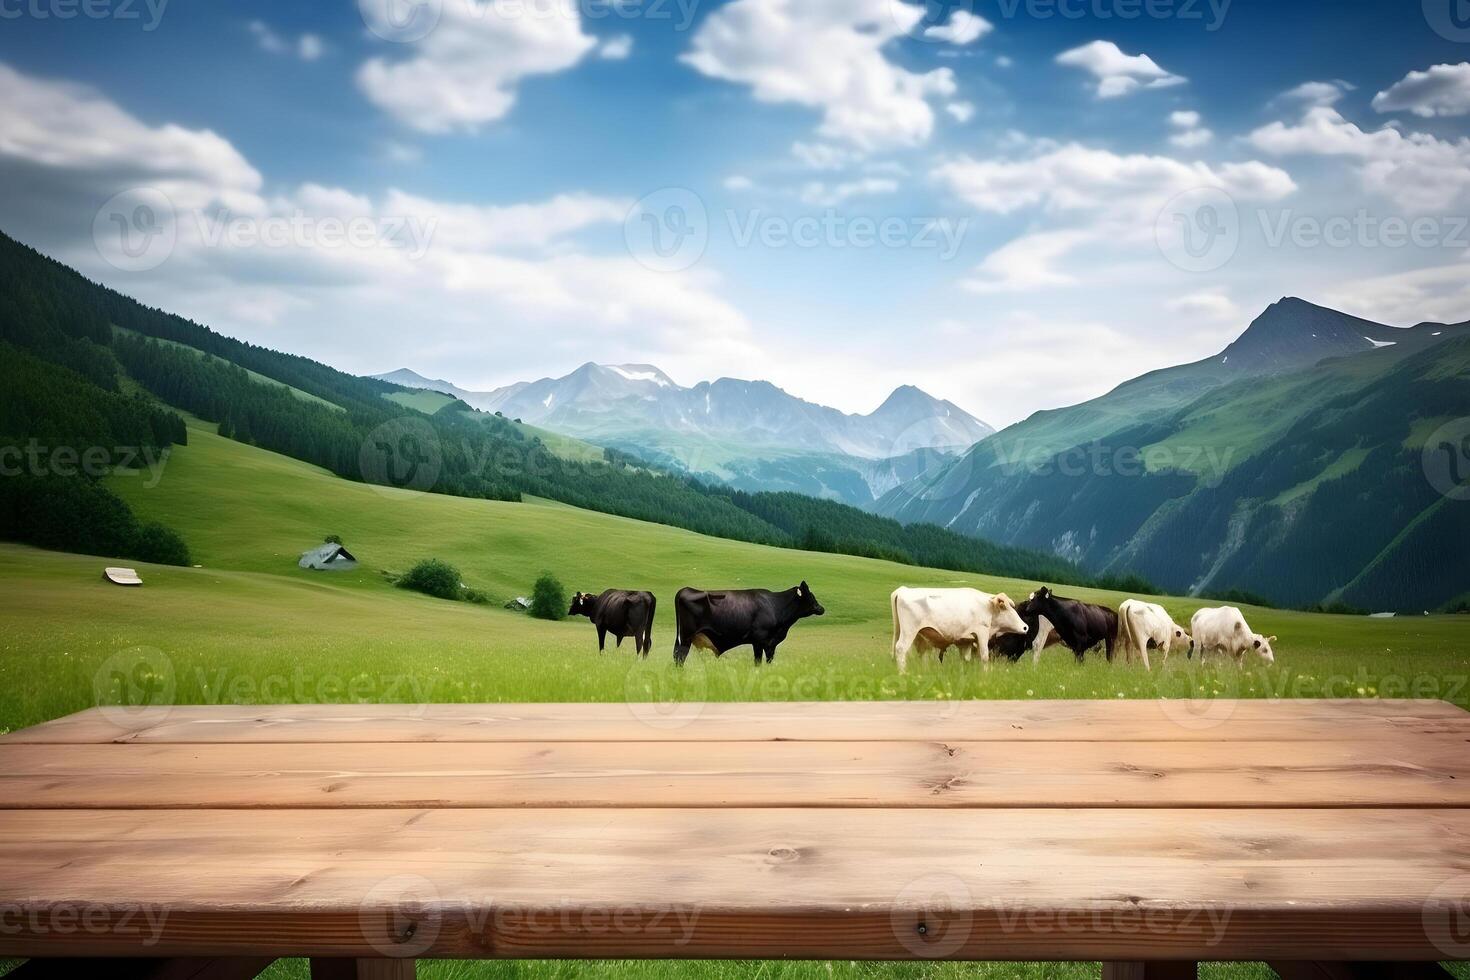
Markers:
{"x": 621, "y": 401}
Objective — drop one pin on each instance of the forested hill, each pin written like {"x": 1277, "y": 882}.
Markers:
{"x": 98, "y": 345}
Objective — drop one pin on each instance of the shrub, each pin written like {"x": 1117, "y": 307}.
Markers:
{"x": 160, "y": 545}
{"x": 432, "y": 577}
{"x": 332, "y": 539}
{"x": 548, "y": 598}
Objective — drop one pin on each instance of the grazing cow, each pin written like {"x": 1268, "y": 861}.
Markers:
{"x": 620, "y": 613}
{"x": 1224, "y": 628}
{"x": 721, "y": 621}
{"x": 942, "y": 618}
{"x": 1081, "y": 625}
{"x": 1143, "y": 626}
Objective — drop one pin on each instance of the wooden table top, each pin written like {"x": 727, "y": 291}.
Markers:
{"x": 1115, "y": 830}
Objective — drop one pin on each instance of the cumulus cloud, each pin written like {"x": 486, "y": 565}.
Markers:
{"x": 1118, "y": 73}
{"x": 616, "y": 48}
{"x": 962, "y": 112}
{"x": 1209, "y": 304}
{"x": 830, "y": 195}
{"x": 963, "y": 27}
{"x": 307, "y": 47}
{"x": 1443, "y": 90}
{"x": 465, "y": 72}
{"x": 1414, "y": 170}
{"x": 1093, "y": 197}
{"x": 1189, "y": 133}
{"x": 1316, "y": 93}
{"x": 827, "y": 55}
{"x": 1437, "y": 293}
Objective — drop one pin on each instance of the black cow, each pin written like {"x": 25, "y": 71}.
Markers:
{"x": 620, "y": 613}
{"x": 721, "y": 621}
{"x": 1013, "y": 646}
{"x": 1081, "y": 625}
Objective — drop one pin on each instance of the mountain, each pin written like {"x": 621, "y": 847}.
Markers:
{"x": 748, "y": 434}
{"x": 1290, "y": 464}
{"x": 405, "y": 378}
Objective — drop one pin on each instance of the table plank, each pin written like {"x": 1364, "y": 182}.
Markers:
{"x": 1403, "y": 771}
{"x": 1009, "y": 721}
{"x": 1014, "y": 884}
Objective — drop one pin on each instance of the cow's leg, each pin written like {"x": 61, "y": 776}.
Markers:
{"x": 1108, "y": 647}
{"x": 982, "y": 644}
{"x": 770, "y": 653}
{"x": 901, "y": 648}
{"x": 1143, "y": 652}
{"x": 601, "y": 638}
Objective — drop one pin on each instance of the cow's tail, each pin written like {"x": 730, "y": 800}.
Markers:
{"x": 893, "y": 608}
{"x": 1125, "y": 631}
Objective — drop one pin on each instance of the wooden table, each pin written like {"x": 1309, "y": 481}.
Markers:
{"x": 1147, "y": 834}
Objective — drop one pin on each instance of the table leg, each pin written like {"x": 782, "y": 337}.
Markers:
{"x": 341, "y": 968}
{"x": 1151, "y": 970}
{"x": 1328, "y": 970}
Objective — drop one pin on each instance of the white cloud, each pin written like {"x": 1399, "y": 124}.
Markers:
{"x": 830, "y": 195}
{"x": 1209, "y": 304}
{"x": 1118, "y": 73}
{"x": 827, "y": 55}
{"x": 963, "y": 27}
{"x": 1093, "y": 197}
{"x": 824, "y": 156}
{"x": 963, "y": 112}
{"x": 395, "y": 152}
{"x": 492, "y": 281}
{"x": 1004, "y": 61}
{"x": 1443, "y": 90}
{"x": 464, "y": 73}
{"x": 1316, "y": 93}
{"x": 1437, "y": 293}
{"x": 738, "y": 182}
{"x": 616, "y": 48}
{"x": 1414, "y": 170}
{"x": 307, "y": 47}
{"x": 1190, "y": 133}
{"x": 85, "y": 142}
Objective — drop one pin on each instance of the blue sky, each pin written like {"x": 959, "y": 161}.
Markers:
{"x": 987, "y": 199}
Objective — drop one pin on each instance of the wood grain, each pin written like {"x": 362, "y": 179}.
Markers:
{"x": 980, "y": 721}
{"x": 1428, "y": 771}
{"x": 1099, "y": 884}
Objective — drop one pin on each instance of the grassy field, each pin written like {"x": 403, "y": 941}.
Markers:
{"x": 250, "y": 627}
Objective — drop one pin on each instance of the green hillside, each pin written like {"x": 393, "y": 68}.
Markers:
{"x": 1305, "y": 485}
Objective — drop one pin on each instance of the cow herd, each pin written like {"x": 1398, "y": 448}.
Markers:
{"x": 924, "y": 620}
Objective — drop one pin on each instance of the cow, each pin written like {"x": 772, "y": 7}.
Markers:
{"x": 942, "y": 618}
{"x": 1224, "y": 628}
{"x": 1143, "y": 626}
{"x": 722, "y": 621}
{"x": 1081, "y": 625}
{"x": 1013, "y": 645}
{"x": 620, "y": 613}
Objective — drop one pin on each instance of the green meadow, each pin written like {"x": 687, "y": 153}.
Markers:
{"x": 249, "y": 626}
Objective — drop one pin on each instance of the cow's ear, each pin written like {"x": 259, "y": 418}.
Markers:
{"x": 803, "y": 588}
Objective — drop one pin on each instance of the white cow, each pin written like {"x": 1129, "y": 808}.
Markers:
{"x": 1142, "y": 625}
{"x": 1045, "y": 638}
{"x": 942, "y": 618}
{"x": 1224, "y": 628}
